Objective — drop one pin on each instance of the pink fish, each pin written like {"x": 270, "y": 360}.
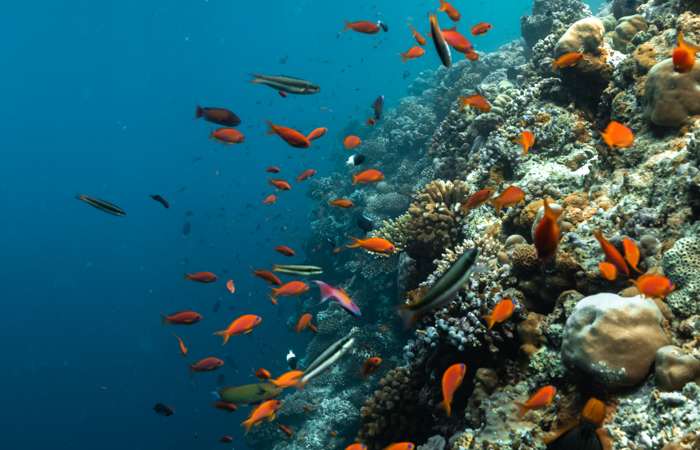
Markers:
{"x": 339, "y": 296}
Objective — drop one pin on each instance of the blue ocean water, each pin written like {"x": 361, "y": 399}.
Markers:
{"x": 98, "y": 100}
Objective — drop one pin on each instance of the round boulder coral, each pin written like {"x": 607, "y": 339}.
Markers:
{"x": 625, "y": 30}
{"x": 586, "y": 34}
{"x": 671, "y": 97}
{"x": 675, "y": 368}
{"x": 613, "y": 339}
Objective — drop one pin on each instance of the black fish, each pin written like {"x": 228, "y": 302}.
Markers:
{"x": 284, "y": 60}
{"x": 217, "y": 305}
{"x": 384, "y": 26}
{"x": 331, "y": 242}
{"x": 218, "y": 116}
{"x": 158, "y": 198}
{"x": 186, "y": 229}
{"x": 220, "y": 380}
{"x": 356, "y": 160}
{"x": 189, "y": 213}
{"x": 164, "y": 410}
{"x": 406, "y": 74}
{"x": 181, "y": 190}
{"x": 377, "y": 106}
{"x": 286, "y": 84}
{"x": 199, "y": 158}
{"x": 441, "y": 46}
{"x": 365, "y": 224}
{"x": 231, "y": 362}
{"x": 102, "y": 205}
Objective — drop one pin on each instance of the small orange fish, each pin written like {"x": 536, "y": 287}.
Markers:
{"x": 631, "y": 253}
{"x": 412, "y": 53}
{"x": 228, "y": 407}
{"x": 362, "y": 27}
{"x": 230, "y": 286}
{"x": 268, "y": 276}
{"x": 471, "y": 55}
{"x": 305, "y": 175}
{"x": 475, "y": 101}
{"x": 272, "y": 299}
{"x": 617, "y": 135}
{"x": 481, "y": 29}
{"x": 352, "y": 142}
{"x": 273, "y": 169}
{"x": 291, "y": 137}
{"x": 526, "y": 141}
{"x": 288, "y": 379}
{"x": 401, "y": 446}
{"x": 370, "y": 121}
{"x": 502, "y": 311}
{"x": 451, "y": 380}
{"x": 540, "y": 399}
{"x": 291, "y": 288}
{"x": 475, "y": 200}
{"x": 272, "y": 198}
{"x": 206, "y": 365}
{"x": 609, "y": 271}
{"x": 547, "y": 233}
{"x": 368, "y": 176}
{"x": 282, "y": 94}
{"x": 227, "y": 136}
{"x": 306, "y": 408}
{"x": 181, "y": 318}
{"x": 376, "y": 245}
{"x": 383, "y": 328}
{"x": 200, "y": 277}
{"x": 356, "y": 447}
{"x": 313, "y": 328}
{"x": 286, "y": 251}
{"x": 279, "y": 183}
{"x": 510, "y": 196}
{"x": 242, "y": 325}
{"x": 567, "y": 60}
{"x": 341, "y": 203}
{"x": 183, "y": 349}
{"x": 261, "y": 374}
{"x": 684, "y": 55}
{"x": 318, "y": 132}
{"x": 304, "y": 321}
{"x": 226, "y": 439}
{"x": 285, "y": 430}
{"x": 611, "y": 253}
{"x": 265, "y": 411}
{"x": 654, "y": 285}
{"x": 370, "y": 366}
{"x": 450, "y": 10}
{"x": 417, "y": 36}
{"x": 334, "y": 433}
{"x": 455, "y": 39}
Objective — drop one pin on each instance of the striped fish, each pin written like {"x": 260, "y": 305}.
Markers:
{"x": 102, "y": 205}
{"x": 302, "y": 271}
{"x": 286, "y": 84}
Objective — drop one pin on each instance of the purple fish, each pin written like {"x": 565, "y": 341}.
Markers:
{"x": 339, "y": 296}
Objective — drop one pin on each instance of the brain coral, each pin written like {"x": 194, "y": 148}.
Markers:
{"x": 613, "y": 339}
{"x": 681, "y": 264}
{"x": 671, "y": 97}
{"x": 586, "y": 33}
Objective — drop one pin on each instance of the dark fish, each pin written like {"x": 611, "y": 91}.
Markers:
{"x": 331, "y": 242}
{"x": 217, "y": 305}
{"x": 231, "y": 362}
{"x": 181, "y": 190}
{"x": 164, "y": 410}
{"x": 284, "y": 60}
{"x": 365, "y": 224}
{"x": 384, "y": 26}
{"x": 220, "y": 380}
{"x": 186, "y": 229}
{"x": 286, "y": 84}
{"x": 218, "y": 116}
{"x": 102, "y": 205}
{"x": 158, "y": 198}
{"x": 292, "y": 360}
{"x": 189, "y": 213}
{"x": 199, "y": 158}
{"x": 406, "y": 74}
{"x": 356, "y": 160}
{"x": 441, "y": 46}
{"x": 377, "y": 106}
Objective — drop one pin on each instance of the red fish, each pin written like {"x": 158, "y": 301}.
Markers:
{"x": 313, "y": 328}
{"x": 475, "y": 101}
{"x": 611, "y": 253}
{"x": 290, "y": 289}
{"x": 291, "y": 137}
{"x": 183, "y": 349}
{"x": 317, "y": 133}
{"x": 510, "y": 196}
{"x": 218, "y": 116}
{"x": 286, "y": 251}
{"x": 654, "y": 285}
{"x": 262, "y": 374}
{"x": 228, "y": 407}
{"x": 230, "y": 286}
{"x": 226, "y": 439}
{"x": 268, "y": 276}
{"x": 282, "y": 94}
{"x": 362, "y": 27}
{"x": 181, "y": 318}
{"x": 401, "y": 446}
{"x": 455, "y": 39}
{"x": 305, "y": 175}
{"x": 227, "y": 136}
{"x": 526, "y": 141}
{"x": 270, "y": 199}
{"x": 471, "y": 55}
{"x": 567, "y": 60}
{"x": 242, "y": 325}
{"x": 547, "y": 233}
{"x": 502, "y": 311}
{"x": 206, "y": 365}
{"x": 417, "y": 36}
{"x": 339, "y": 296}
{"x": 265, "y": 411}
{"x": 451, "y": 380}
{"x": 631, "y": 253}
{"x": 306, "y": 408}
{"x": 412, "y": 53}
{"x": 368, "y": 176}
{"x": 288, "y": 379}
{"x": 272, "y": 169}
{"x": 161, "y": 200}
{"x": 370, "y": 366}
{"x": 451, "y": 11}
{"x": 285, "y": 430}
{"x": 369, "y": 121}
{"x": 352, "y": 142}
{"x": 356, "y": 447}
{"x": 272, "y": 299}
{"x": 617, "y": 135}
{"x": 200, "y": 277}
{"x": 609, "y": 271}
{"x": 540, "y": 399}
{"x": 481, "y": 29}
{"x": 684, "y": 55}
{"x": 341, "y": 203}
{"x": 475, "y": 200}
{"x": 304, "y": 321}
{"x": 376, "y": 245}
{"x": 279, "y": 183}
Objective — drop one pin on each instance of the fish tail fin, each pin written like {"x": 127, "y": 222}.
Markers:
{"x": 326, "y": 291}
{"x": 404, "y": 56}
{"x": 276, "y": 291}
{"x": 187, "y": 276}
{"x": 297, "y": 178}
{"x": 354, "y": 179}
{"x": 272, "y": 128}
{"x": 273, "y": 299}
{"x": 446, "y": 406}
{"x": 211, "y": 136}
{"x": 522, "y": 409}
{"x": 256, "y": 81}
{"x": 199, "y": 113}
{"x": 298, "y": 328}
{"x": 555, "y": 66}
{"x": 489, "y": 321}
{"x": 496, "y": 204}
{"x": 348, "y": 25}
{"x": 442, "y": 5}
{"x": 363, "y": 373}
{"x": 191, "y": 368}
{"x": 247, "y": 424}
{"x": 224, "y": 335}
{"x": 166, "y": 319}
{"x": 356, "y": 242}
{"x": 407, "y": 315}
{"x": 464, "y": 101}
{"x": 300, "y": 384}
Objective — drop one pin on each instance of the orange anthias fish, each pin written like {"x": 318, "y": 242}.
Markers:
{"x": 611, "y": 253}
{"x": 285, "y": 430}
{"x": 456, "y": 40}
{"x": 567, "y": 60}
{"x": 370, "y": 121}
{"x": 291, "y": 288}
{"x": 475, "y": 101}
{"x": 352, "y": 142}
{"x": 282, "y": 94}
{"x": 341, "y": 203}
{"x": 370, "y": 366}
{"x": 401, "y": 446}
{"x": 654, "y": 285}
{"x": 183, "y": 349}
{"x": 313, "y": 328}
{"x": 412, "y": 53}
{"x": 242, "y": 325}
{"x": 286, "y": 251}
{"x": 502, "y": 311}
{"x": 631, "y": 253}
{"x": 617, "y": 135}
{"x": 477, "y": 199}
{"x": 265, "y": 411}
{"x": 417, "y": 36}
{"x": 584, "y": 433}
{"x": 481, "y": 29}
{"x": 206, "y": 365}
{"x": 362, "y": 27}
{"x": 357, "y": 447}
{"x": 268, "y": 276}
{"x": 273, "y": 169}
{"x": 451, "y": 11}
{"x": 317, "y": 133}
{"x": 306, "y": 408}
{"x": 304, "y": 322}
{"x": 272, "y": 299}
{"x": 684, "y": 55}
{"x": 609, "y": 271}
{"x": 540, "y": 399}
{"x": 272, "y": 198}
{"x": 226, "y": 439}
{"x": 547, "y": 233}
{"x": 368, "y": 176}
{"x": 291, "y": 137}
{"x": 376, "y": 245}
{"x": 334, "y": 433}
{"x": 227, "y": 136}
{"x": 279, "y": 183}
{"x": 288, "y": 379}
{"x": 451, "y": 380}
{"x": 305, "y": 175}
{"x": 228, "y": 407}
{"x": 526, "y": 141}
{"x": 261, "y": 374}
{"x": 181, "y": 318}
{"x": 200, "y": 277}
{"x": 471, "y": 55}
{"x": 230, "y": 286}
{"x": 510, "y": 196}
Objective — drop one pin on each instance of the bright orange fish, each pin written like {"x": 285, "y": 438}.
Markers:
{"x": 227, "y": 136}
{"x": 475, "y": 101}
{"x": 279, "y": 183}
{"x": 471, "y": 55}
{"x": 265, "y": 411}
{"x": 502, "y": 311}
{"x": 242, "y": 325}
{"x": 268, "y": 276}
{"x": 617, "y": 135}
{"x": 412, "y": 53}
{"x": 526, "y": 141}
{"x": 451, "y": 380}
{"x": 261, "y": 374}
{"x": 288, "y": 379}
{"x": 305, "y": 175}
{"x": 401, "y": 446}
{"x": 547, "y": 233}
{"x": 272, "y": 299}
{"x": 285, "y": 430}
{"x": 291, "y": 288}
{"x": 341, "y": 203}
{"x": 609, "y": 271}
{"x": 417, "y": 36}
{"x": 291, "y": 137}
{"x": 370, "y": 366}
{"x": 451, "y": 11}
{"x": 540, "y": 399}
{"x": 273, "y": 169}
{"x": 183, "y": 349}
{"x": 228, "y": 407}
{"x": 282, "y": 93}
{"x": 272, "y": 198}
{"x": 306, "y": 408}
{"x": 317, "y": 133}
{"x": 313, "y": 328}
{"x": 611, "y": 253}
{"x": 206, "y": 365}
{"x": 304, "y": 321}
{"x": 684, "y": 55}
{"x": 362, "y": 27}
{"x": 368, "y": 176}
{"x": 376, "y": 245}
{"x": 567, "y": 60}
{"x": 631, "y": 253}
{"x": 352, "y": 142}
{"x": 181, "y": 318}
{"x": 230, "y": 286}
{"x": 370, "y": 121}
{"x": 357, "y": 447}
{"x": 286, "y": 251}
{"x": 477, "y": 199}
{"x": 455, "y": 39}
{"x": 200, "y": 277}
{"x": 654, "y": 285}
{"x": 510, "y": 196}
{"x": 592, "y": 418}
{"x": 481, "y": 29}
